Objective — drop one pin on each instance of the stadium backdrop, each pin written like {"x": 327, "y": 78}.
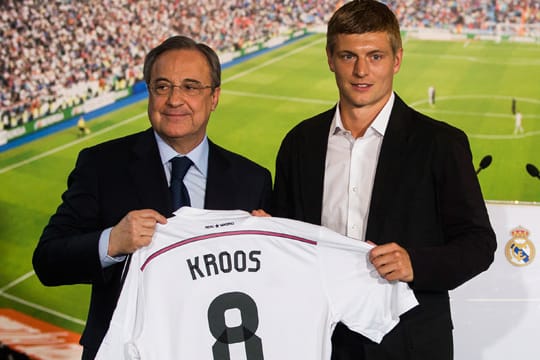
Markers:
{"x": 262, "y": 98}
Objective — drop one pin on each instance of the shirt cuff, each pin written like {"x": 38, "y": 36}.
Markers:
{"x": 105, "y": 259}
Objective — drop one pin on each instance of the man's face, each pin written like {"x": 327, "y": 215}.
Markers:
{"x": 364, "y": 66}
{"x": 180, "y": 118}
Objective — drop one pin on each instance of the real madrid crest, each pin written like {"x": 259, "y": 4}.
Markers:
{"x": 520, "y": 250}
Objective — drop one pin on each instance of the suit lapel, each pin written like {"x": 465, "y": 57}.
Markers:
{"x": 312, "y": 167}
{"x": 219, "y": 194}
{"x": 148, "y": 175}
{"x": 389, "y": 168}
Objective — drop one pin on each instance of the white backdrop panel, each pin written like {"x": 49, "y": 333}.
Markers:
{"x": 497, "y": 314}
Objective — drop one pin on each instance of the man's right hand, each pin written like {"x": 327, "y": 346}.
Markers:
{"x": 134, "y": 231}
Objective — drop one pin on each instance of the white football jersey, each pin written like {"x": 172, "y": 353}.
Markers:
{"x": 227, "y": 285}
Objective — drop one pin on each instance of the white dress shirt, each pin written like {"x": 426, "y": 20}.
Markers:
{"x": 350, "y": 172}
{"x": 195, "y": 179}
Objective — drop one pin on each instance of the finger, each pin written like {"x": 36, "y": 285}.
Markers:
{"x": 143, "y": 240}
{"x": 383, "y": 271}
{"x": 260, "y": 213}
{"x": 399, "y": 258}
{"x": 146, "y": 232}
{"x": 146, "y": 224}
{"x": 392, "y": 276}
{"x": 386, "y": 249}
{"x": 389, "y": 272}
{"x": 157, "y": 217}
{"x": 399, "y": 275}
{"x": 393, "y": 269}
{"x": 147, "y": 220}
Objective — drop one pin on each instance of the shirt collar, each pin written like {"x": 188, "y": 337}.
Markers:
{"x": 379, "y": 124}
{"x": 199, "y": 155}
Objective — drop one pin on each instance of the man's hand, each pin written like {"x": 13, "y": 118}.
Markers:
{"x": 134, "y": 231}
{"x": 392, "y": 262}
{"x": 260, "y": 213}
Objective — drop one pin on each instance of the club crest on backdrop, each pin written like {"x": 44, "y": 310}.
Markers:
{"x": 519, "y": 250}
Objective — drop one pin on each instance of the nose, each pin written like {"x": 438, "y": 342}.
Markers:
{"x": 176, "y": 96}
{"x": 361, "y": 67}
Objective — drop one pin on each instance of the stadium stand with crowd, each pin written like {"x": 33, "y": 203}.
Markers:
{"x": 479, "y": 16}
{"x": 59, "y": 54}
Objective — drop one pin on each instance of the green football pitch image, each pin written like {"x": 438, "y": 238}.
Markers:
{"x": 262, "y": 98}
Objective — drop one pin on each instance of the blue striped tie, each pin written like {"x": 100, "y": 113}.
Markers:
{"x": 179, "y": 193}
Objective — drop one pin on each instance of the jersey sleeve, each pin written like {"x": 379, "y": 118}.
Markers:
{"x": 358, "y": 296}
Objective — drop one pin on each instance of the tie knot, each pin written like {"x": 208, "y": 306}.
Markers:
{"x": 180, "y": 166}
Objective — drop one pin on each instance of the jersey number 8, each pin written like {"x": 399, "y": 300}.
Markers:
{"x": 244, "y": 332}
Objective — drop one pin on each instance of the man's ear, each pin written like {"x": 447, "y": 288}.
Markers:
{"x": 215, "y": 98}
{"x": 330, "y": 60}
{"x": 398, "y": 58}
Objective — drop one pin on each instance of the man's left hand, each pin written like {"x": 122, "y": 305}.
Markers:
{"x": 392, "y": 262}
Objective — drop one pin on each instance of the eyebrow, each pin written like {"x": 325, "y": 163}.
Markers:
{"x": 352, "y": 52}
{"x": 192, "y": 81}
{"x": 183, "y": 81}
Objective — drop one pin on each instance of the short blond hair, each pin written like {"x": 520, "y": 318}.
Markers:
{"x": 363, "y": 16}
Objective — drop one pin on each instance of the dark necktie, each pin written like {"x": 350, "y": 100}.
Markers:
{"x": 180, "y": 195}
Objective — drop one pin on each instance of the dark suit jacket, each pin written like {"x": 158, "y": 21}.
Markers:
{"x": 426, "y": 197}
{"x": 108, "y": 181}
